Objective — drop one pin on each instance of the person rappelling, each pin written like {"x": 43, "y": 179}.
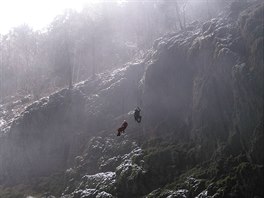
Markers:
{"x": 122, "y": 128}
{"x": 137, "y": 115}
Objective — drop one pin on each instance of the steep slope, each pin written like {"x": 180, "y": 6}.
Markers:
{"x": 50, "y": 133}
{"x": 201, "y": 91}
{"x": 211, "y": 79}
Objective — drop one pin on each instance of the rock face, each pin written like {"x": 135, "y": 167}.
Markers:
{"x": 50, "y": 133}
{"x": 38, "y": 141}
{"x": 209, "y": 80}
{"x": 201, "y": 92}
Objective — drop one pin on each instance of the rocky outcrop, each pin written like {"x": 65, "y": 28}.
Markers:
{"x": 105, "y": 172}
{"x": 50, "y": 133}
{"x": 38, "y": 142}
{"x": 201, "y": 93}
{"x": 209, "y": 79}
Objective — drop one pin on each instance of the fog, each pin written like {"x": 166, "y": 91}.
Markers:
{"x": 70, "y": 78}
{"x": 83, "y": 42}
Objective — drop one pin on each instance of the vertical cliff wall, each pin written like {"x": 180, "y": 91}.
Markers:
{"x": 209, "y": 79}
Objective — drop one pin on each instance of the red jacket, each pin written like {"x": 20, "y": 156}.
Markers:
{"x": 124, "y": 125}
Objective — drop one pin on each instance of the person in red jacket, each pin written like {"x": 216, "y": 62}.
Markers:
{"x": 122, "y": 128}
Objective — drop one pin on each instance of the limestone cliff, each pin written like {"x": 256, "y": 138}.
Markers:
{"x": 201, "y": 94}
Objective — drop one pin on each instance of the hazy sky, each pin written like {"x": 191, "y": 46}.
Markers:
{"x": 35, "y": 13}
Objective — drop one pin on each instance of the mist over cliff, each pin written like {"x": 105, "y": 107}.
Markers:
{"x": 201, "y": 94}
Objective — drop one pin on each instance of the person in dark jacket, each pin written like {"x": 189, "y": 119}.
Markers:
{"x": 137, "y": 115}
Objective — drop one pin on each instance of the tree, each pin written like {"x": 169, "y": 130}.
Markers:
{"x": 175, "y": 11}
